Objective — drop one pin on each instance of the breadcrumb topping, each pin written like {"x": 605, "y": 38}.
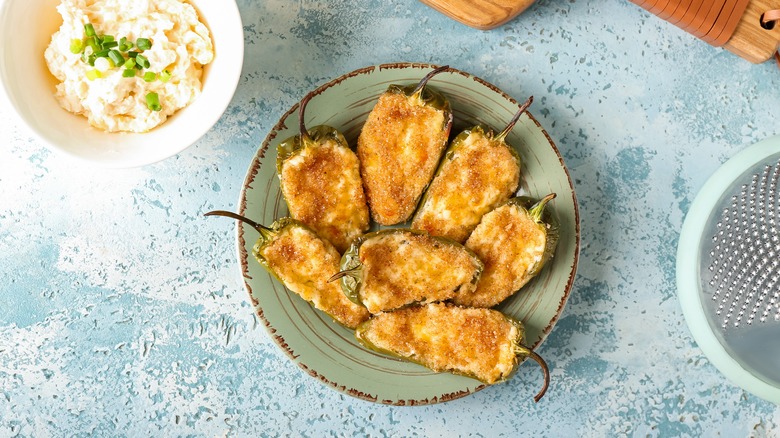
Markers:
{"x": 402, "y": 268}
{"x": 399, "y": 148}
{"x": 304, "y": 263}
{"x": 478, "y": 175}
{"x": 511, "y": 244}
{"x": 479, "y": 343}
{"x": 323, "y": 189}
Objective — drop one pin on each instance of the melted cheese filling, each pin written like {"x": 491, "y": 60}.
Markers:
{"x": 511, "y": 244}
{"x": 304, "y": 263}
{"x": 402, "y": 268}
{"x": 476, "y": 342}
{"x": 472, "y": 181}
{"x": 399, "y": 148}
{"x": 323, "y": 189}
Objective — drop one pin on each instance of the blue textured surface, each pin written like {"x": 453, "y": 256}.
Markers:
{"x": 123, "y": 311}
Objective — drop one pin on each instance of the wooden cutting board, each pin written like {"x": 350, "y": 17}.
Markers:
{"x": 480, "y": 14}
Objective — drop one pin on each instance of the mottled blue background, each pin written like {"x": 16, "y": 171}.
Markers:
{"x": 124, "y": 313}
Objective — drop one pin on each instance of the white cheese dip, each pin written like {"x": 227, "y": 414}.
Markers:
{"x": 180, "y": 44}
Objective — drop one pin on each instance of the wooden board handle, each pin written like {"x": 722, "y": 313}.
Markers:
{"x": 480, "y": 14}
{"x": 751, "y": 41}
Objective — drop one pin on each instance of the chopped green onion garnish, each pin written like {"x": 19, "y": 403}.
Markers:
{"x": 92, "y": 43}
{"x": 143, "y": 43}
{"x": 142, "y": 61}
{"x": 110, "y": 53}
{"x": 76, "y": 46}
{"x": 116, "y": 57}
{"x": 125, "y": 45}
{"x": 153, "y": 101}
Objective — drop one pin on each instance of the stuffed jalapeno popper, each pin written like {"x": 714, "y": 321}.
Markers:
{"x": 514, "y": 241}
{"x": 480, "y": 343}
{"x": 389, "y": 269}
{"x": 320, "y": 180}
{"x": 479, "y": 172}
{"x": 400, "y": 146}
{"x": 303, "y": 262}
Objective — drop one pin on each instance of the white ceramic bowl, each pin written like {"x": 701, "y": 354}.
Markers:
{"x": 26, "y": 28}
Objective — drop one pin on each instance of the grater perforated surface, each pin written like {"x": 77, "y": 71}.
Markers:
{"x": 740, "y": 269}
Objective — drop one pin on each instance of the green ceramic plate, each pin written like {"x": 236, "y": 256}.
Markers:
{"x": 328, "y": 351}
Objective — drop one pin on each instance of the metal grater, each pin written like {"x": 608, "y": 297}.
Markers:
{"x": 740, "y": 270}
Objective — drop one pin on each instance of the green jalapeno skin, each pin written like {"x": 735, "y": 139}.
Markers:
{"x": 302, "y": 261}
{"x": 479, "y": 343}
{"x": 395, "y": 268}
{"x": 515, "y": 241}
{"x": 321, "y": 184}
{"x": 399, "y": 148}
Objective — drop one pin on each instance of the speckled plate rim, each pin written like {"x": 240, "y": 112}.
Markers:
{"x": 688, "y": 262}
{"x": 244, "y": 249}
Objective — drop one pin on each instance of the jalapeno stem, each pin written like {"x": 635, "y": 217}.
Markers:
{"x": 538, "y": 208}
{"x": 515, "y": 118}
{"x": 345, "y": 273}
{"x": 418, "y": 90}
{"x": 305, "y": 138}
{"x": 263, "y": 230}
{"x": 522, "y": 349}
